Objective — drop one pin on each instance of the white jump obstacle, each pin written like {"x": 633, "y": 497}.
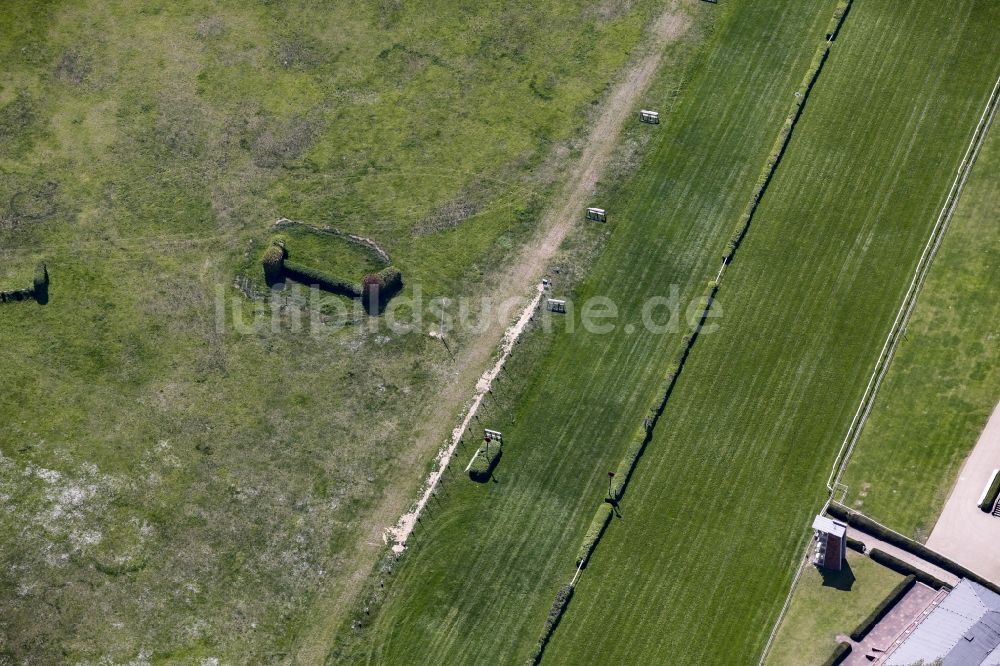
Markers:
{"x": 492, "y": 435}
{"x": 651, "y": 117}
{"x": 597, "y": 214}
{"x": 555, "y": 305}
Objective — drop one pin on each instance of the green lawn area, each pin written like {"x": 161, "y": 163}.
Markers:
{"x": 174, "y": 489}
{"x": 480, "y": 576}
{"x": 945, "y": 378}
{"x": 328, "y": 253}
{"x": 827, "y": 605}
{"x": 717, "y": 513}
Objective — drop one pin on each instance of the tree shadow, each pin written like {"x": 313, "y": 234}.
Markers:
{"x": 840, "y": 580}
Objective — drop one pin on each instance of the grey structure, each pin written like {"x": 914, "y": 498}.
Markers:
{"x": 831, "y": 541}
{"x": 964, "y": 630}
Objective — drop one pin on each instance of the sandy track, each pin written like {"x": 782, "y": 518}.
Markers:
{"x": 337, "y": 599}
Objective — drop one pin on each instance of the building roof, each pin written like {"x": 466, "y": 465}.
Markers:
{"x": 964, "y": 630}
{"x": 830, "y": 526}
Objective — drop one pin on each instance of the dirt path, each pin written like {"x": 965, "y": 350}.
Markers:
{"x": 337, "y": 599}
{"x": 398, "y": 534}
{"x": 963, "y": 532}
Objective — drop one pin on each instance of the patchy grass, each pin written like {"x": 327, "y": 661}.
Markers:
{"x": 826, "y": 605}
{"x": 945, "y": 378}
{"x": 190, "y": 485}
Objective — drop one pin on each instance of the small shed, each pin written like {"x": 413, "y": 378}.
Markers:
{"x": 831, "y": 543}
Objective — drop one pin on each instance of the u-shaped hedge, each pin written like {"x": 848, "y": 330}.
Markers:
{"x": 374, "y": 289}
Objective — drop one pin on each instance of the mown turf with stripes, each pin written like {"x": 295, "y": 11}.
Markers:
{"x": 487, "y": 560}
{"x": 717, "y": 514}
{"x": 945, "y": 379}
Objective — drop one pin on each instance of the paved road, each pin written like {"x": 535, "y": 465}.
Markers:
{"x": 963, "y": 532}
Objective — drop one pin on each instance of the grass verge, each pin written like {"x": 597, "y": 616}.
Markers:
{"x": 945, "y": 378}
{"x": 826, "y": 605}
{"x": 717, "y": 511}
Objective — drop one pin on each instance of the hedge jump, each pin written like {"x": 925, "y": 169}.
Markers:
{"x": 989, "y": 497}
{"x": 374, "y": 289}
{"x": 39, "y": 289}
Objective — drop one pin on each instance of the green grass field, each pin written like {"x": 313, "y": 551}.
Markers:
{"x": 945, "y": 378}
{"x": 717, "y": 513}
{"x": 177, "y": 489}
{"x": 825, "y": 607}
{"x": 173, "y": 490}
{"x": 487, "y": 560}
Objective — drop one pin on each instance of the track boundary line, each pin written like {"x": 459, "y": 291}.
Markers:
{"x": 895, "y": 334}
{"x": 916, "y": 283}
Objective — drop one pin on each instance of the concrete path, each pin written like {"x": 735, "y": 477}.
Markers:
{"x": 874, "y": 542}
{"x": 963, "y": 532}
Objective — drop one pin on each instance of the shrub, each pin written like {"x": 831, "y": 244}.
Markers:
{"x": 883, "y": 608}
{"x": 839, "y": 654}
{"x": 321, "y": 279}
{"x": 392, "y": 281}
{"x": 854, "y": 544}
{"x": 16, "y": 295}
{"x": 597, "y": 526}
{"x": 485, "y": 462}
{"x": 990, "y": 498}
{"x": 371, "y": 284}
{"x": 273, "y": 261}
{"x": 559, "y": 604}
{"x": 371, "y": 293}
{"x": 378, "y": 288}
{"x": 905, "y": 568}
{"x": 838, "y": 19}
